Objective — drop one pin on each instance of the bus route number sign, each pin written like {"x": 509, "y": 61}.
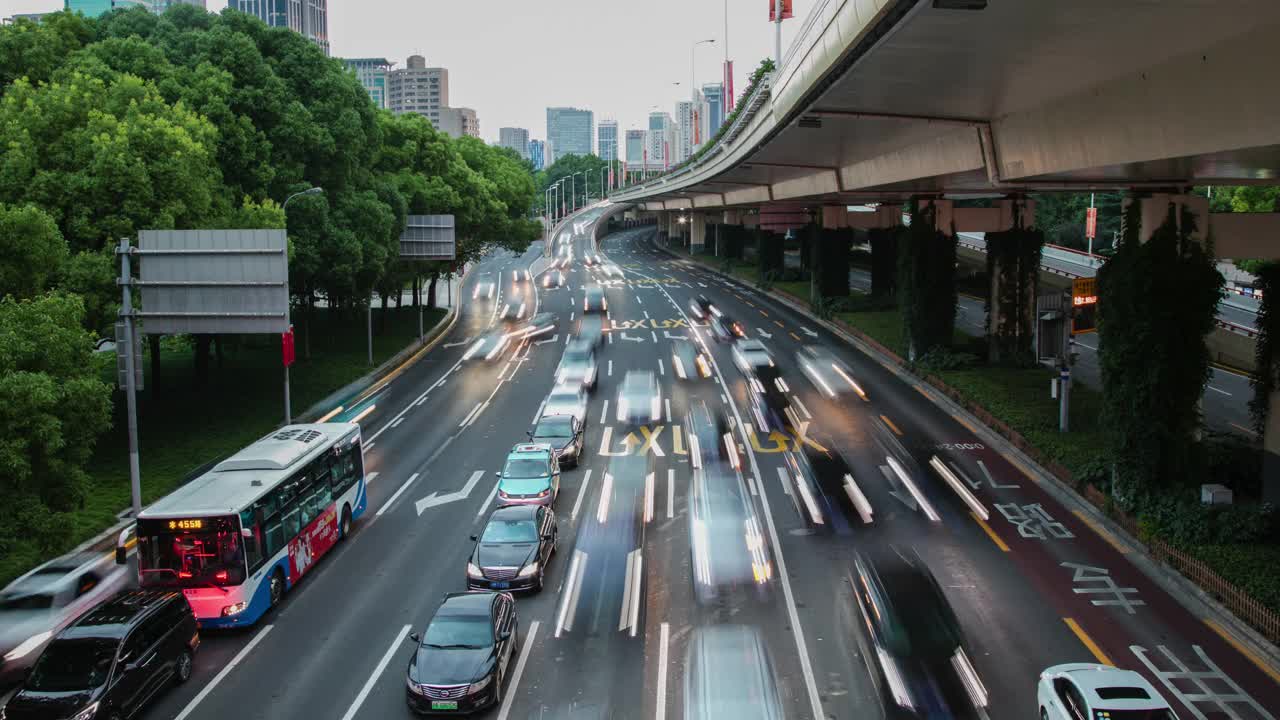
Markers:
{"x": 194, "y": 524}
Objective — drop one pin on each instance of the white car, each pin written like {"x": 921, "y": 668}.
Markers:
{"x": 1086, "y": 691}
{"x": 519, "y": 276}
{"x": 488, "y": 347}
{"x": 578, "y": 364}
{"x": 827, "y": 372}
{"x": 639, "y": 398}
{"x": 567, "y": 400}
{"x": 484, "y": 290}
{"x": 611, "y": 271}
{"x": 749, "y": 355}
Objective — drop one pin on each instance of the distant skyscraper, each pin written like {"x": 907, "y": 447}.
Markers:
{"x": 661, "y": 140}
{"x": 515, "y": 138}
{"x": 538, "y": 154}
{"x": 684, "y": 132}
{"x": 95, "y": 8}
{"x": 714, "y": 95}
{"x": 310, "y": 18}
{"x": 569, "y": 130}
{"x": 418, "y": 89}
{"x": 607, "y": 140}
{"x": 635, "y": 149}
{"x": 372, "y": 74}
{"x": 459, "y": 122}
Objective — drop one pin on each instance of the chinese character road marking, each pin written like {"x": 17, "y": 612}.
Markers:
{"x": 1033, "y": 521}
{"x": 1227, "y": 703}
{"x": 1105, "y": 585}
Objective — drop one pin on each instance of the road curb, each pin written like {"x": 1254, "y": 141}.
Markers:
{"x": 1191, "y": 596}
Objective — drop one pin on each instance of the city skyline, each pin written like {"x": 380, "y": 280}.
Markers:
{"x": 624, "y": 87}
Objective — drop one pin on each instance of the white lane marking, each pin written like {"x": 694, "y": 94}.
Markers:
{"x": 610, "y": 338}
{"x": 515, "y": 677}
{"x": 575, "y": 312}
{"x": 664, "y": 633}
{"x": 470, "y": 415}
{"x": 671, "y": 493}
{"x": 631, "y": 593}
{"x": 604, "y": 413}
{"x": 646, "y": 315}
{"x": 751, "y": 485}
{"x": 569, "y": 600}
{"x": 226, "y": 670}
{"x": 654, "y": 335}
{"x": 858, "y": 499}
{"x": 602, "y": 510}
{"x": 382, "y": 665}
{"x": 483, "y": 406}
{"x": 610, "y": 370}
{"x": 387, "y": 505}
{"x": 370, "y": 477}
{"x": 488, "y": 501}
{"x": 786, "y": 480}
{"x": 661, "y": 369}
{"x": 397, "y": 421}
{"x": 582, "y": 493}
{"x": 803, "y": 409}
{"x": 667, "y": 403}
{"x": 605, "y": 438}
{"x": 648, "y": 497}
{"x": 1224, "y": 392}
{"x": 539, "y": 413}
{"x": 921, "y": 500}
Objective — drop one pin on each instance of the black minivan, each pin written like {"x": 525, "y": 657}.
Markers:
{"x": 111, "y": 660}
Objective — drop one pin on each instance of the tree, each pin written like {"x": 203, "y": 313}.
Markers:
{"x": 1062, "y": 216}
{"x": 33, "y": 50}
{"x": 926, "y": 284}
{"x": 32, "y": 250}
{"x": 53, "y": 406}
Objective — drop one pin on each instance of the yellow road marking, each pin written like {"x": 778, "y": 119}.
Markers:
{"x": 1253, "y": 658}
{"x": 892, "y": 427}
{"x": 748, "y": 302}
{"x": 1244, "y": 429}
{"x": 920, "y": 389}
{"x": 964, "y": 424}
{"x": 764, "y": 313}
{"x": 1112, "y": 540}
{"x": 1021, "y": 468}
{"x": 1088, "y": 641}
{"x": 779, "y": 323}
{"x": 797, "y": 337}
{"x": 990, "y": 533}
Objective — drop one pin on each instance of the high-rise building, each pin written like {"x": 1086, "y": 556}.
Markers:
{"x": 418, "y": 89}
{"x": 372, "y": 74}
{"x": 538, "y": 154}
{"x": 684, "y": 132}
{"x": 310, "y": 18}
{"x": 713, "y": 93}
{"x": 661, "y": 141}
{"x": 458, "y": 122}
{"x": 635, "y": 149}
{"x": 607, "y": 140}
{"x": 33, "y": 17}
{"x": 95, "y": 8}
{"x": 569, "y": 130}
{"x": 515, "y": 138}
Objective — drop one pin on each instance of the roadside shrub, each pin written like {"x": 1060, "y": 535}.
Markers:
{"x": 1252, "y": 568}
{"x": 941, "y": 359}
{"x": 1181, "y": 520}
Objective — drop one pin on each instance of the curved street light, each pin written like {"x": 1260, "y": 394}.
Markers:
{"x": 309, "y": 191}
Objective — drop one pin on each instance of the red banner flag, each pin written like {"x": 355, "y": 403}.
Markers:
{"x": 666, "y": 155}
{"x": 728, "y": 87}
{"x": 773, "y": 9}
{"x": 610, "y": 176}
{"x": 1091, "y": 223}
{"x": 286, "y": 347}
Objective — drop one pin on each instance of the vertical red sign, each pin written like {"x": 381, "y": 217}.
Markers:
{"x": 286, "y": 347}
{"x": 773, "y": 9}
{"x": 728, "y": 87}
{"x": 1091, "y": 223}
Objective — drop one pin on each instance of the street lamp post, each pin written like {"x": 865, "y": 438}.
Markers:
{"x": 288, "y": 403}
{"x": 693, "y": 87}
{"x": 602, "y": 195}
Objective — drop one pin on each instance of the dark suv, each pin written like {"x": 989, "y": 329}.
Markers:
{"x": 111, "y": 660}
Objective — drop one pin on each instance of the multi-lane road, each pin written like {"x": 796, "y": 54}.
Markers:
{"x": 1032, "y": 584}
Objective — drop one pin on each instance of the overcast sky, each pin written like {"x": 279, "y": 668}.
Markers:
{"x": 511, "y": 59}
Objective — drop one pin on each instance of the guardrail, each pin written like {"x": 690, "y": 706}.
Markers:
{"x": 1237, "y": 328}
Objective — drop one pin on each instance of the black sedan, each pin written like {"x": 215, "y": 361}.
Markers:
{"x": 513, "y": 551}
{"x": 563, "y": 433}
{"x": 922, "y": 667}
{"x": 726, "y": 329}
{"x": 459, "y": 660}
{"x": 594, "y": 300}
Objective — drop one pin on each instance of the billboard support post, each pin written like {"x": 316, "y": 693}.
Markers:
{"x": 131, "y": 386}
{"x": 368, "y": 313}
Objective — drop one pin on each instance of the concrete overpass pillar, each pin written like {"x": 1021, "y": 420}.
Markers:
{"x": 885, "y": 230}
{"x": 697, "y": 233}
{"x": 1014, "y": 281}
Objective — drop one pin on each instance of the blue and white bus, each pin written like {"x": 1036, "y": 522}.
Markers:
{"x": 237, "y": 537}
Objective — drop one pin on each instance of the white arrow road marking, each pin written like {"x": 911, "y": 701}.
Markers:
{"x": 551, "y": 339}
{"x": 624, "y": 337}
{"x": 669, "y": 336}
{"x": 435, "y": 499}
{"x": 763, "y": 334}
{"x": 456, "y": 344}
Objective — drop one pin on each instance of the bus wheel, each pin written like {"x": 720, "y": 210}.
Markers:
{"x": 345, "y": 527}
{"x": 276, "y": 587}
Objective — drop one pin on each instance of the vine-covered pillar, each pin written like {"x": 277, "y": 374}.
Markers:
{"x": 927, "y": 278}
{"x": 885, "y": 232}
{"x": 1157, "y": 301}
{"x": 1265, "y": 404}
{"x": 1013, "y": 265}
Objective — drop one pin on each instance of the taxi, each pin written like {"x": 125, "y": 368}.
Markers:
{"x": 531, "y": 476}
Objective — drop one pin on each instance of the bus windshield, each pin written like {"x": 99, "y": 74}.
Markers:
{"x": 190, "y": 552}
